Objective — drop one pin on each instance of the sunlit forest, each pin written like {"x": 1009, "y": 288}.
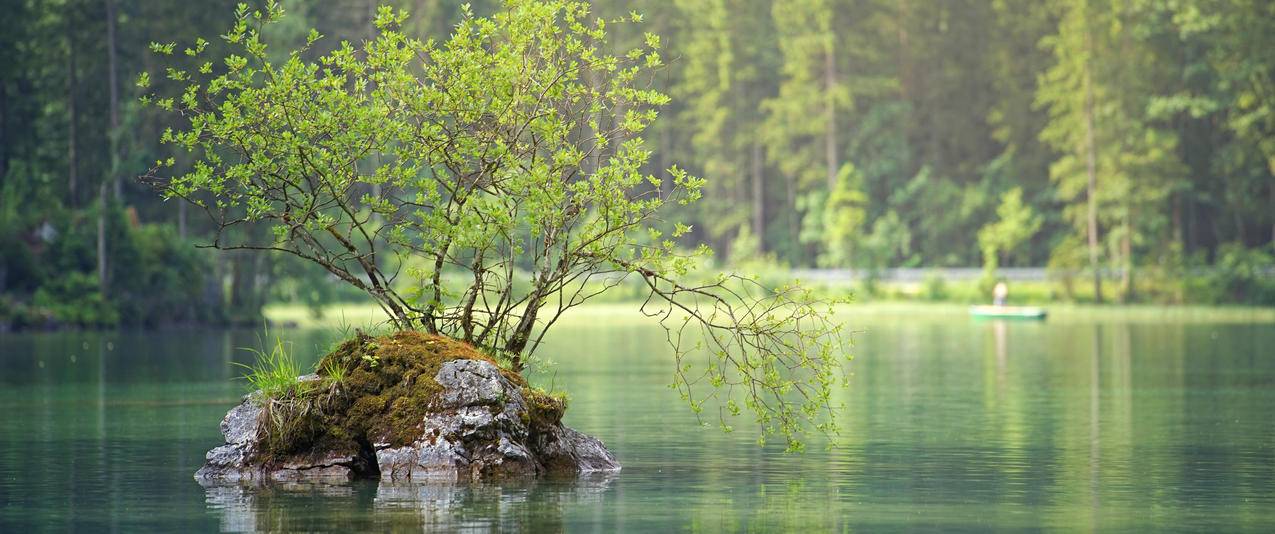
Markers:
{"x": 1127, "y": 148}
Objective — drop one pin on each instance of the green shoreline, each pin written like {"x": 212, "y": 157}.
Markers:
{"x": 364, "y": 315}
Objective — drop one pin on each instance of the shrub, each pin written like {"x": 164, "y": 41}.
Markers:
{"x": 1245, "y": 275}
{"x": 75, "y": 298}
{"x": 934, "y": 286}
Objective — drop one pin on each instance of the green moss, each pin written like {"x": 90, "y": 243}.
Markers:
{"x": 543, "y": 408}
{"x": 369, "y": 390}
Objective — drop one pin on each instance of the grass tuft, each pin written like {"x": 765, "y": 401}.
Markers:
{"x": 276, "y": 372}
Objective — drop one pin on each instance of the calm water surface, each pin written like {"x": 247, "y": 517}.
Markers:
{"x": 949, "y": 424}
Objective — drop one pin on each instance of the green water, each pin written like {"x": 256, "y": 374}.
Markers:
{"x": 949, "y": 424}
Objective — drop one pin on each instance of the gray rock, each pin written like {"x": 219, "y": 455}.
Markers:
{"x": 480, "y": 428}
{"x": 240, "y": 424}
{"x": 230, "y": 461}
{"x": 568, "y": 448}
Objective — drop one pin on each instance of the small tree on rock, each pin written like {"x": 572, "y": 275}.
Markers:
{"x": 470, "y": 189}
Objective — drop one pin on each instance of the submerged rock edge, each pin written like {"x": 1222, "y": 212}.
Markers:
{"x": 480, "y": 429}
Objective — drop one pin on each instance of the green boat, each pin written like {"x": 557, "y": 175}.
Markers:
{"x": 1008, "y": 312}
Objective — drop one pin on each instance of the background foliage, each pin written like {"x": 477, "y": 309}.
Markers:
{"x": 831, "y": 133}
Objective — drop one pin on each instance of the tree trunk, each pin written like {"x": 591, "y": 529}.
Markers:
{"x": 4, "y": 146}
{"x": 113, "y": 82}
{"x": 1091, "y": 167}
{"x": 244, "y": 299}
{"x": 1126, "y": 253}
{"x": 1179, "y": 236}
{"x": 830, "y": 137}
{"x": 794, "y": 234}
{"x": 181, "y": 220}
{"x": 101, "y": 237}
{"x": 1240, "y": 231}
{"x": 759, "y": 201}
{"x": 72, "y": 162}
{"x": 1191, "y": 227}
{"x": 905, "y": 51}
{"x": 522, "y": 332}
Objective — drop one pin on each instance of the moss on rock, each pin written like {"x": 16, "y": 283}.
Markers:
{"x": 372, "y": 390}
{"x": 543, "y": 409}
{"x": 403, "y": 407}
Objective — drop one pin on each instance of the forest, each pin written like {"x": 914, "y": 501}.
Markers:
{"x": 1126, "y": 146}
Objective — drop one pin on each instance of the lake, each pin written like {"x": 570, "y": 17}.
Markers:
{"x": 1116, "y": 423}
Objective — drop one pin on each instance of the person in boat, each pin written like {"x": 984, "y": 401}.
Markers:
{"x": 1000, "y": 294}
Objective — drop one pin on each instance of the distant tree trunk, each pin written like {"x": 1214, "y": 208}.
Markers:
{"x": 1126, "y": 253}
{"x": 245, "y": 292}
{"x": 759, "y": 202}
{"x": 1091, "y": 167}
{"x": 113, "y": 82}
{"x": 181, "y": 220}
{"x": 794, "y": 234}
{"x": 4, "y": 146}
{"x": 830, "y": 103}
{"x": 239, "y": 276}
{"x": 905, "y": 51}
{"x": 101, "y": 237}
{"x": 112, "y": 135}
{"x": 72, "y": 162}
{"x": 260, "y": 281}
{"x": 1179, "y": 235}
{"x": 1237, "y": 210}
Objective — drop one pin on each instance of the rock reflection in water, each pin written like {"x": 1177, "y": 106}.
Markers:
{"x": 532, "y": 505}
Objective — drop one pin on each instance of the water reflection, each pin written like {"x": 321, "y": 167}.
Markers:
{"x": 947, "y": 424}
{"x": 533, "y": 506}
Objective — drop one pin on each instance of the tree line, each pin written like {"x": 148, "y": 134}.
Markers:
{"x": 1087, "y": 135}
{"x": 1132, "y": 138}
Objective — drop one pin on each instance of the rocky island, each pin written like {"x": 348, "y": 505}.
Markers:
{"x": 404, "y": 407}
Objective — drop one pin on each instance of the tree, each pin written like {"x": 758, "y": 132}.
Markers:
{"x": 721, "y": 86}
{"x": 1067, "y": 89}
{"x": 114, "y": 96}
{"x": 72, "y": 117}
{"x": 1240, "y": 37}
{"x": 1023, "y": 160}
{"x": 487, "y": 223}
{"x": 1015, "y": 225}
{"x": 801, "y": 129}
{"x": 843, "y": 217}
{"x": 1118, "y": 155}
{"x": 113, "y": 131}
{"x": 888, "y": 242}
{"x": 810, "y": 95}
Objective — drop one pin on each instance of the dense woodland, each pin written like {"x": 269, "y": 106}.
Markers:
{"x": 1130, "y": 138}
